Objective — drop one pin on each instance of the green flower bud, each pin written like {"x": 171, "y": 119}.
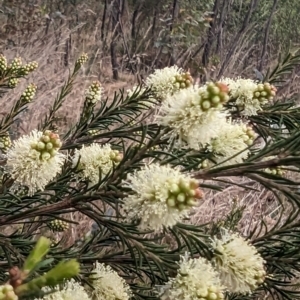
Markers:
{"x": 181, "y": 197}
{"x": 46, "y": 156}
{"x": 41, "y": 146}
{"x": 191, "y": 202}
{"x": 184, "y": 186}
{"x": 12, "y": 82}
{"x": 181, "y": 207}
{"x": 177, "y": 85}
{"x": 47, "y": 132}
{"x": 3, "y": 63}
{"x": 171, "y": 201}
{"x": 212, "y": 296}
{"x": 206, "y": 105}
{"x": 45, "y": 138}
{"x": 63, "y": 271}
{"x": 82, "y": 59}
{"x": 53, "y": 152}
{"x": 204, "y": 95}
{"x": 194, "y": 184}
{"x": 260, "y": 87}
{"x": 174, "y": 188}
{"x": 49, "y": 146}
{"x": 36, "y": 255}
{"x": 58, "y": 225}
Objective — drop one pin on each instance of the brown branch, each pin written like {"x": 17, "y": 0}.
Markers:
{"x": 238, "y": 171}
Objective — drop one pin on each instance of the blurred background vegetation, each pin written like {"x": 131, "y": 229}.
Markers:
{"x": 213, "y": 38}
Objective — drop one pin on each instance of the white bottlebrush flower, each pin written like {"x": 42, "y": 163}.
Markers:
{"x": 161, "y": 197}
{"x": 71, "y": 290}
{"x": 243, "y": 91}
{"x": 167, "y": 81}
{"x": 232, "y": 140}
{"x": 95, "y": 160}
{"x": 107, "y": 284}
{"x": 33, "y": 163}
{"x": 196, "y": 279}
{"x": 190, "y": 124}
{"x": 240, "y": 266}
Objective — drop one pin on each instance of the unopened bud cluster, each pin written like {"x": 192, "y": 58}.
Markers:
{"x": 93, "y": 93}
{"x": 183, "y": 80}
{"x": 16, "y": 64}
{"x": 259, "y": 277}
{"x": 5, "y": 143}
{"x": 12, "y": 82}
{"x": 264, "y": 93}
{"x": 29, "y": 93}
{"x": 213, "y": 96}
{"x": 116, "y": 156}
{"x": 184, "y": 194}
{"x": 82, "y": 59}
{"x": 93, "y": 132}
{"x": 250, "y": 136}
{"x": 20, "y": 190}
{"x": 58, "y": 225}
{"x": 3, "y": 63}
{"x": 212, "y": 293}
{"x": 7, "y": 292}
{"x": 48, "y": 145}
{"x": 204, "y": 164}
{"x": 30, "y": 67}
{"x": 275, "y": 171}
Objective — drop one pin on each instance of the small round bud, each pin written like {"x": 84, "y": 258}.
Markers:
{"x": 46, "y": 138}
{"x": 215, "y": 100}
{"x": 212, "y": 296}
{"x": 181, "y": 197}
{"x": 206, "y": 105}
{"x": 53, "y": 152}
{"x": 171, "y": 202}
{"x": 49, "y": 146}
{"x": 46, "y": 156}
{"x": 41, "y": 146}
{"x": 174, "y": 188}
{"x": 82, "y": 59}
{"x": 181, "y": 207}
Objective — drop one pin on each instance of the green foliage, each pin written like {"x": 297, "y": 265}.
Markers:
{"x": 147, "y": 260}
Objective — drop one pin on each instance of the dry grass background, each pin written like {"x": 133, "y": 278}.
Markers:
{"x": 48, "y": 49}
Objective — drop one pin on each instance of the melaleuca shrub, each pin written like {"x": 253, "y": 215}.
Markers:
{"x": 137, "y": 167}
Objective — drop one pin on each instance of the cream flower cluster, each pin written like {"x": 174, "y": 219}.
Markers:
{"x": 249, "y": 95}
{"x": 161, "y": 196}
{"x": 196, "y": 279}
{"x": 107, "y": 284}
{"x": 168, "y": 81}
{"x": 240, "y": 266}
{"x": 71, "y": 290}
{"x": 95, "y": 160}
{"x": 194, "y": 115}
{"x": 34, "y": 160}
{"x": 231, "y": 144}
